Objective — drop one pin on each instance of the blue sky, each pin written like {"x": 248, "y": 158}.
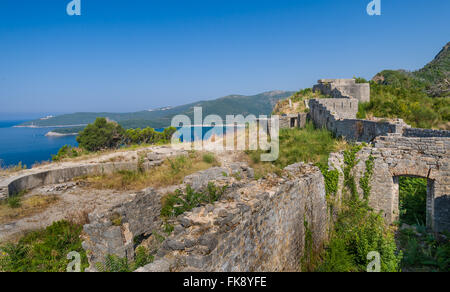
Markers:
{"x": 132, "y": 55}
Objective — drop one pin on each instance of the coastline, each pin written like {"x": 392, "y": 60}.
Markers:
{"x": 40, "y": 127}
{"x": 55, "y": 134}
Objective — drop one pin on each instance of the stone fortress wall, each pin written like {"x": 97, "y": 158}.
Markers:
{"x": 398, "y": 150}
{"x": 344, "y": 88}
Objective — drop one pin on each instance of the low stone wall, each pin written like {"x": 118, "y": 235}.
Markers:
{"x": 32, "y": 180}
{"x": 35, "y": 178}
{"x": 262, "y": 226}
{"x": 413, "y": 132}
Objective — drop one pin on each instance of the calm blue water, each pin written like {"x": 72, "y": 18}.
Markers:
{"x": 28, "y": 145}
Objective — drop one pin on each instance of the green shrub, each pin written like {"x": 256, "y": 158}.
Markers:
{"x": 67, "y": 151}
{"x": 115, "y": 264}
{"x": 101, "y": 135}
{"x": 177, "y": 203}
{"x": 209, "y": 158}
{"x": 357, "y": 232}
{"x": 15, "y": 202}
{"x": 44, "y": 250}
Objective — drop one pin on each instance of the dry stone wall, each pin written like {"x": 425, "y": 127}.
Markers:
{"x": 260, "y": 226}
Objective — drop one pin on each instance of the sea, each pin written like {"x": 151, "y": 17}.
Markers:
{"x": 30, "y": 145}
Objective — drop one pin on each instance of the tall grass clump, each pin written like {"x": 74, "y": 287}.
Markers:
{"x": 44, "y": 250}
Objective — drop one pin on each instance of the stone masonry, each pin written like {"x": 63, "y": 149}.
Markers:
{"x": 396, "y": 156}
{"x": 260, "y": 226}
{"x": 344, "y": 88}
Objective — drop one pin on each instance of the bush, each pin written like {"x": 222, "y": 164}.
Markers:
{"x": 14, "y": 202}
{"x": 44, "y": 250}
{"x": 100, "y": 135}
{"x": 209, "y": 158}
{"x": 67, "y": 151}
{"x": 357, "y": 232}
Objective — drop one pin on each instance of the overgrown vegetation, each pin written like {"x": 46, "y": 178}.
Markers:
{"x": 171, "y": 172}
{"x": 357, "y": 230}
{"x": 179, "y": 202}
{"x": 44, "y": 250}
{"x": 104, "y": 134}
{"x": 424, "y": 252}
{"x": 413, "y": 200}
{"x": 297, "y": 104}
{"x": 407, "y": 102}
{"x": 18, "y": 206}
{"x": 13, "y": 168}
{"x": 115, "y": 264}
{"x": 68, "y": 151}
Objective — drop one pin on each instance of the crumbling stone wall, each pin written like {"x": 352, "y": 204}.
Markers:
{"x": 413, "y": 132}
{"x": 339, "y": 116}
{"x": 293, "y": 121}
{"x": 396, "y": 156}
{"x": 260, "y": 226}
{"x": 114, "y": 232}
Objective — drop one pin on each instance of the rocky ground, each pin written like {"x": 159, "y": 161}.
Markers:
{"x": 76, "y": 200}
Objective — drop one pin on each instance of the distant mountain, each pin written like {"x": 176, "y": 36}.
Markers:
{"x": 434, "y": 78}
{"x": 260, "y": 104}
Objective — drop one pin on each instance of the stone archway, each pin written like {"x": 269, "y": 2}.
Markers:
{"x": 391, "y": 163}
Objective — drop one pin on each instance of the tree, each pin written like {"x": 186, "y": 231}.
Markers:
{"x": 100, "y": 135}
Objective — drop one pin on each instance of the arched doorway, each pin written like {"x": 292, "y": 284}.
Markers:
{"x": 415, "y": 200}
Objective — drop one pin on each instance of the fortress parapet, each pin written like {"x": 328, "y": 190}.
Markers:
{"x": 344, "y": 88}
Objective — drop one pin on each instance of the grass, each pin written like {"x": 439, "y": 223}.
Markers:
{"x": 423, "y": 252}
{"x": 298, "y": 145}
{"x": 12, "y": 169}
{"x": 18, "y": 207}
{"x": 114, "y": 264}
{"x": 44, "y": 250}
{"x": 298, "y": 102}
{"x": 171, "y": 172}
{"x": 358, "y": 231}
{"x": 411, "y": 104}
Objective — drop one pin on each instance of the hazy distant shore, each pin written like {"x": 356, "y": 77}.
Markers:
{"x": 55, "y": 134}
{"x": 57, "y": 126}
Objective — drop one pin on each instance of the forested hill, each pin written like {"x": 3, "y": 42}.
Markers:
{"x": 260, "y": 104}
{"x": 433, "y": 78}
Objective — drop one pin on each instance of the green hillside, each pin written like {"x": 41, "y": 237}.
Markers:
{"x": 433, "y": 79}
{"x": 421, "y": 97}
{"x": 260, "y": 104}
